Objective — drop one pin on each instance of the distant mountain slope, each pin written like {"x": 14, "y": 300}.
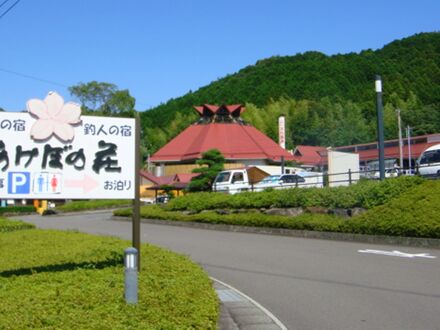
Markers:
{"x": 409, "y": 67}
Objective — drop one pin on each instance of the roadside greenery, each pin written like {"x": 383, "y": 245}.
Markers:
{"x": 365, "y": 194}
{"x": 71, "y": 280}
{"x": 396, "y": 207}
{"x": 414, "y": 213}
{"x": 307, "y": 221}
{"x": 12, "y": 225}
{"x": 92, "y": 204}
{"x": 17, "y": 209}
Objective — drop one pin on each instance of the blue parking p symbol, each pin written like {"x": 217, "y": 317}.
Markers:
{"x": 19, "y": 182}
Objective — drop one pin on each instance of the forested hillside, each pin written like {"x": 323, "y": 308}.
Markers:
{"x": 328, "y": 100}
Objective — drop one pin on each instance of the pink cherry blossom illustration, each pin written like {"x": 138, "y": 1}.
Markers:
{"x": 53, "y": 117}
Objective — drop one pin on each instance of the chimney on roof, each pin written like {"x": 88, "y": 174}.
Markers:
{"x": 282, "y": 131}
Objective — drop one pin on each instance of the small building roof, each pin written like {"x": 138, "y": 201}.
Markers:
{"x": 178, "y": 181}
{"x": 310, "y": 155}
{"x": 150, "y": 177}
{"x": 184, "y": 177}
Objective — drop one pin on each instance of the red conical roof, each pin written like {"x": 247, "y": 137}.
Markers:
{"x": 234, "y": 140}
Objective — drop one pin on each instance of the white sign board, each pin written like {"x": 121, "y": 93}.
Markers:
{"x": 51, "y": 152}
{"x": 339, "y": 164}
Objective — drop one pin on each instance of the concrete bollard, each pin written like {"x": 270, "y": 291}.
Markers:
{"x": 131, "y": 276}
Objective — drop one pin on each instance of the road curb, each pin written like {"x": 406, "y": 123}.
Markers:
{"x": 258, "y": 306}
{"x": 373, "y": 239}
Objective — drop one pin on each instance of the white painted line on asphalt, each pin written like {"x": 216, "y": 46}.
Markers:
{"x": 264, "y": 310}
{"x": 396, "y": 253}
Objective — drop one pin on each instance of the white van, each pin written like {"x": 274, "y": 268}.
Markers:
{"x": 429, "y": 161}
{"x": 232, "y": 181}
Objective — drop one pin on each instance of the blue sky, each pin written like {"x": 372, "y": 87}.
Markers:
{"x": 162, "y": 49}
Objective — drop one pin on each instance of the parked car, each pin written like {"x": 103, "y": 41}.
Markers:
{"x": 279, "y": 182}
{"x": 429, "y": 161}
{"x": 147, "y": 200}
{"x": 162, "y": 199}
{"x": 389, "y": 173}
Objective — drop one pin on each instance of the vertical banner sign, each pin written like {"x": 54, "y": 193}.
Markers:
{"x": 52, "y": 152}
{"x": 282, "y": 132}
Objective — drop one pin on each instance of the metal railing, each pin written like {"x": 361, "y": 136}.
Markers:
{"x": 337, "y": 179}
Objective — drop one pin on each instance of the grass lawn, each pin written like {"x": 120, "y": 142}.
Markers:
{"x": 53, "y": 279}
{"x": 12, "y": 225}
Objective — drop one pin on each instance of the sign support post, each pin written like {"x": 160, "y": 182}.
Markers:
{"x": 136, "y": 218}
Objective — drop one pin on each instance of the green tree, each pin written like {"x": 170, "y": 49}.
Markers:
{"x": 211, "y": 163}
{"x": 93, "y": 95}
{"x": 104, "y": 98}
{"x": 120, "y": 102}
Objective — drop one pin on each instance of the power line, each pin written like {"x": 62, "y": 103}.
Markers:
{"x": 3, "y": 3}
{"x": 51, "y": 82}
{"x": 9, "y": 9}
{"x": 34, "y": 78}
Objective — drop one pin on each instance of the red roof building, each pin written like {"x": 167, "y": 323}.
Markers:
{"x": 150, "y": 184}
{"x": 221, "y": 127}
{"x": 310, "y": 156}
{"x": 368, "y": 152}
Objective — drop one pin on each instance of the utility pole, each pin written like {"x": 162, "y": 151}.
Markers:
{"x": 380, "y": 134}
{"x": 400, "y": 141}
{"x": 408, "y": 135}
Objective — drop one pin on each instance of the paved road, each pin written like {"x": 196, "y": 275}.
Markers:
{"x": 306, "y": 283}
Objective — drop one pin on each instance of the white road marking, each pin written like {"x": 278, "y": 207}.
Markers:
{"x": 396, "y": 253}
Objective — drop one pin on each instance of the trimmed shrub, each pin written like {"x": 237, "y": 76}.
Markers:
{"x": 414, "y": 213}
{"x": 17, "y": 209}
{"x": 12, "y": 225}
{"x": 71, "y": 280}
{"x": 366, "y": 194}
{"x": 92, "y": 205}
{"x": 321, "y": 222}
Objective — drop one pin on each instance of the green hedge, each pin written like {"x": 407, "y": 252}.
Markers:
{"x": 69, "y": 280}
{"x": 12, "y": 225}
{"x": 307, "y": 221}
{"x": 92, "y": 204}
{"x": 414, "y": 213}
{"x": 17, "y": 209}
{"x": 366, "y": 194}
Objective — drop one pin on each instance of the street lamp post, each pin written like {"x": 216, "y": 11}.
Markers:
{"x": 380, "y": 134}
{"x": 400, "y": 140}
{"x": 408, "y": 135}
